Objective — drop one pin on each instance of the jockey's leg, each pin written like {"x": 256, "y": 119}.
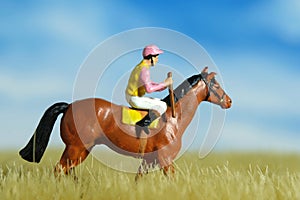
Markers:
{"x": 147, "y": 120}
{"x": 156, "y": 109}
{"x": 142, "y": 130}
{"x": 143, "y": 144}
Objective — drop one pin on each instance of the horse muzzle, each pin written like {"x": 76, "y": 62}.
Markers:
{"x": 225, "y": 102}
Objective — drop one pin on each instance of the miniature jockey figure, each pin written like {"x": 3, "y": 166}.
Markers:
{"x": 139, "y": 84}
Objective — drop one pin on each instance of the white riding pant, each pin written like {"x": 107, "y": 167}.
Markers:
{"x": 147, "y": 103}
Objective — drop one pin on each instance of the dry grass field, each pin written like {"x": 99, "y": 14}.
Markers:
{"x": 218, "y": 176}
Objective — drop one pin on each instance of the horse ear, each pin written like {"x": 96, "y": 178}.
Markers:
{"x": 212, "y": 75}
{"x": 205, "y": 70}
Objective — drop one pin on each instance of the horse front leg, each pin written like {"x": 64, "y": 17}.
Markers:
{"x": 166, "y": 164}
{"x": 143, "y": 169}
{"x": 169, "y": 170}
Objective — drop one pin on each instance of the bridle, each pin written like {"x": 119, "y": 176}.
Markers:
{"x": 210, "y": 84}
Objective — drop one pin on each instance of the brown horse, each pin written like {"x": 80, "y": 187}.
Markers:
{"x": 88, "y": 122}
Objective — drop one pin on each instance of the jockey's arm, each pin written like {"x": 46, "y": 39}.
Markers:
{"x": 149, "y": 85}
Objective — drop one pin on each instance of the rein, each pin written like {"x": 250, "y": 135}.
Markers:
{"x": 210, "y": 86}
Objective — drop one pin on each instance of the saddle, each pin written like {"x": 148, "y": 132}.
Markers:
{"x": 132, "y": 115}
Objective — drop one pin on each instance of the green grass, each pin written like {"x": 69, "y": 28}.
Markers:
{"x": 218, "y": 176}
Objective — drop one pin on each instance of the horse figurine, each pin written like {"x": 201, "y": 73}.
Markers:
{"x": 88, "y": 122}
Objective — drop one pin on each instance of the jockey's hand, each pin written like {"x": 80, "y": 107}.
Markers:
{"x": 169, "y": 81}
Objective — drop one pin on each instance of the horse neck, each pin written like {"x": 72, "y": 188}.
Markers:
{"x": 185, "y": 111}
{"x": 187, "y": 106}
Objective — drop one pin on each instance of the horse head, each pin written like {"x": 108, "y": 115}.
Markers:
{"x": 215, "y": 93}
{"x": 206, "y": 88}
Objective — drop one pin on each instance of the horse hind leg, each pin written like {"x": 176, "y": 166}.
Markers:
{"x": 71, "y": 157}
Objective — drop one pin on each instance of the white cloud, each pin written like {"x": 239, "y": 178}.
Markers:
{"x": 78, "y": 25}
{"x": 245, "y": 136}
{"x": 281, "y": 16}
{"x": 82, "y": 25}
{"x": 263, "y": 85}
{"x": 260, "y": 83}
{"x": 23, "y": 87}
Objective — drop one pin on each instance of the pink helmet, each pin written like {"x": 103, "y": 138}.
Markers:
{"x": 151, "y": 50}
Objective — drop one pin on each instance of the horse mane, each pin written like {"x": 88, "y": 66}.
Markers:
{"x": 183, "y": 88}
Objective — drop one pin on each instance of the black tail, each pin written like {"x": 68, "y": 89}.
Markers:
{"x": 36, "y": 147}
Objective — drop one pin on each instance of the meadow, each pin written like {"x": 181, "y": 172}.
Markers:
{"x": 218, "y": 176}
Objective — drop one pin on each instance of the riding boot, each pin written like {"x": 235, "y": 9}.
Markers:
{"x": 145, "y": 122}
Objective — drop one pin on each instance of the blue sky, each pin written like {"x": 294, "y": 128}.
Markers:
{"x": 255, "y": 44}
